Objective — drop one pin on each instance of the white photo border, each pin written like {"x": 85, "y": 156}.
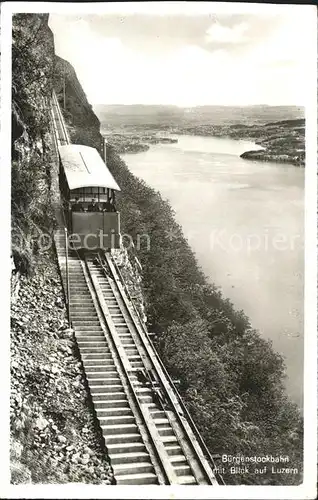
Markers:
{"x": 307, "y": 489}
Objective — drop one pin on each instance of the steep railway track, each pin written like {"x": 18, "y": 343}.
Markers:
{"x": 179, "y": 451}
{"x": 142, "y": 420}
{"x": 60, "y": 133}
{"x": 144, "y": 430}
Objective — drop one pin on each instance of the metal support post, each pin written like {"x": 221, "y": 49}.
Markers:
{"x": 67, "y": 277}
{"x": 105, "y": 150}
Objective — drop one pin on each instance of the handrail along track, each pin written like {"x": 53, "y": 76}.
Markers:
{"x": 60, "y": 132}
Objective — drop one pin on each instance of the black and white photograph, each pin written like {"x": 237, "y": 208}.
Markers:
{"x": 159, "y": 197}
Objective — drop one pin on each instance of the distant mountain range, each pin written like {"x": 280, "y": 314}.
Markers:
{"x": 164, "y": 115}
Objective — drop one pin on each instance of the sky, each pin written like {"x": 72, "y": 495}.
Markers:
{"x": 187, "y": 53}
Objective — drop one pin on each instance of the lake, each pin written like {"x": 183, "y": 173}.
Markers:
{"x": 245, "y": 222}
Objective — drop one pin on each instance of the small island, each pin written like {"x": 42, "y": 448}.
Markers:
{"x": 134, "y": 142}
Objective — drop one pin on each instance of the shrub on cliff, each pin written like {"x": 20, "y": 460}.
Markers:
{"x": 32, "y": 72}
{"x": 31, "y": 211}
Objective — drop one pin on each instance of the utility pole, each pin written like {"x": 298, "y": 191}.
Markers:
{"x": 67, "y": 277}
{"x": 105, "y": 150}
{"x": 64, "y": 96}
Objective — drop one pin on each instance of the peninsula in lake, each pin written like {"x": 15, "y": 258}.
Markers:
{"x": 282, "y": 141}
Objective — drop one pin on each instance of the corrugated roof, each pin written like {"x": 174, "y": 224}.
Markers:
{"x": 84, "y": 167}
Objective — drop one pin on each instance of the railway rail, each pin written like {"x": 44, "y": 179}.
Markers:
{"x": 60, "y": 133}
{"x": 148, "y": 433}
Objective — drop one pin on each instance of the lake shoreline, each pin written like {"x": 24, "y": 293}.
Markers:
{"x": 281, "y": 142}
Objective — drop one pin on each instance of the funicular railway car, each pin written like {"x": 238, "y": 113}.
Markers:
{"x": 88, "y": 191}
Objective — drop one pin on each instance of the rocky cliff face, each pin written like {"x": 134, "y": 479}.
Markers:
{"x": 53, "y": 435}
{"x": 32, "y": 151}
{"x": 32, "y": 81}
{"x": 36, "y": 70}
